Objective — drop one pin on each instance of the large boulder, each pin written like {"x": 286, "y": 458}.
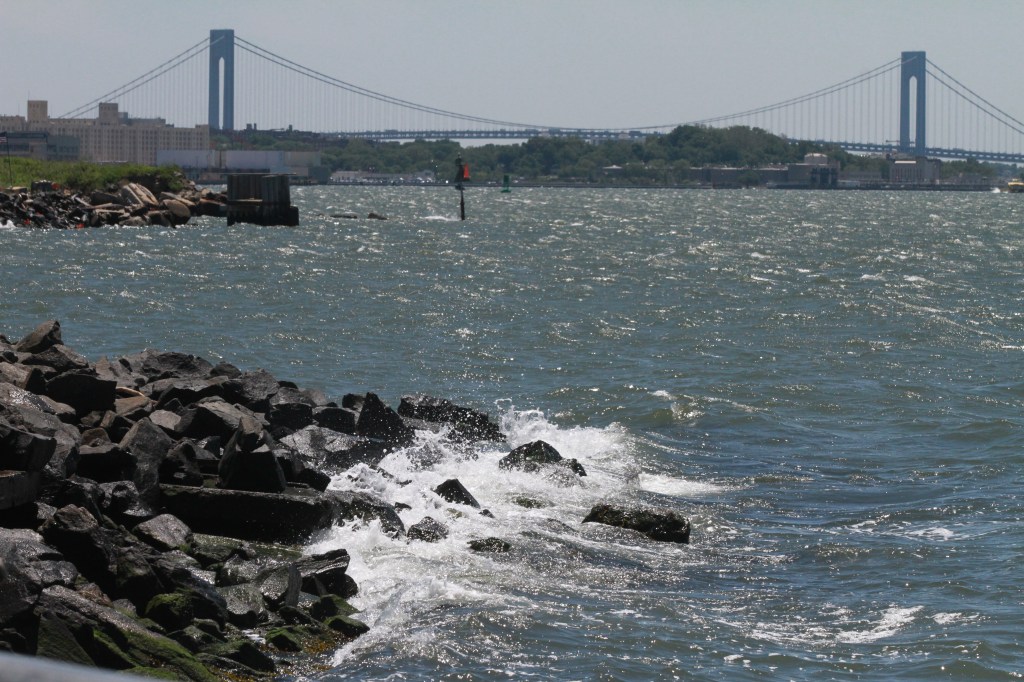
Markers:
{"x": 661, "y": 525}
{"x": 292, "y": 516}
{"x": 254, "y": 389}
{"x": 82, "y": 390}
{"x": 328, "y": 450}
{"x": 149, "y": 445}
{"x": 377, "y": 420}
{"x": 360, "y": 506}
{"x": 155, "y": 365}
{"x": 256, "y": 470}
{"x": 42, "y": 337}
{"x": 536, "y": 455}
{"x": 453, "y": 491}
{"x": 29, "y": 567}
{"x": 466, "y": 424}
{"x": 24, "y": 451}
{"x": 327, "y": 574}
{"x": 215, "y": 417}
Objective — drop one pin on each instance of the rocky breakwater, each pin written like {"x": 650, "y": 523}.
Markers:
{"x": 154, "y": 508}
{"x": 131, "y": 205}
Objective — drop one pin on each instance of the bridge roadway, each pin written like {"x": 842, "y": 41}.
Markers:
{"x": 597, "y": 135}
{"x": 499, "y": 134}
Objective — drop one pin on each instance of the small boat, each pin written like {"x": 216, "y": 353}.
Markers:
{"x": 1015, "y": 187}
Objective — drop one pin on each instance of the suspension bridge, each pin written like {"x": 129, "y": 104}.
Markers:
{"x": 909, "y": 105}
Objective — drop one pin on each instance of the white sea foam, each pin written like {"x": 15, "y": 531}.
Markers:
{"x": 892, "y": 620}
{"x": 678, "y": 487}
{"x": 407, "y": 584}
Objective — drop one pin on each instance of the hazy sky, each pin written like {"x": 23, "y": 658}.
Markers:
{"x": 586, "y": 63}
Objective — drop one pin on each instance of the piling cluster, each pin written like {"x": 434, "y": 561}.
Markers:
{"x": 154, "y": 508}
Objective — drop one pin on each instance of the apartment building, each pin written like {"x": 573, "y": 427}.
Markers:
{"x": 112, "y": 136}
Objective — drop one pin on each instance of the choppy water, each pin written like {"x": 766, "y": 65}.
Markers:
{"x": 828, "y": 384}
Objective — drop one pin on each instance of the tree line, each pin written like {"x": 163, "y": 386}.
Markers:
{"x": 656, "y": 159}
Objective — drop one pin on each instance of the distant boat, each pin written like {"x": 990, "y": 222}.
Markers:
{"x": 1015, "y": 187}
{"x": 506, "y": 183}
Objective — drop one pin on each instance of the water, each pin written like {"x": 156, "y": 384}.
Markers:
{"x": 829, "y": 385}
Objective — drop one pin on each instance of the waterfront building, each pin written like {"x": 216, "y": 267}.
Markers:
{"x": 111, "y": 137}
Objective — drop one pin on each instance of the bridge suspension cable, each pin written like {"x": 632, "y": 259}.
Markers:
{"x": 817, "y": 94}
{"x": 355, "y": 89}
{"x": 173, "y": 63}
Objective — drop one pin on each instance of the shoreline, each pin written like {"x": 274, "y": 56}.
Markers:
{"x": 155, "y": 508}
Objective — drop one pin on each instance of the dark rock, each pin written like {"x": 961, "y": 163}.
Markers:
{"x": 148, "y": 443}
{"x": 377, "y": 420}
{"x": 186, "y": 391}
{"x": 118, "y": 371}
{"x": 133, "y": 408}
{"x": 326, "y": 574}
{"x": 58, "y": 357}
{"x": 286, "y": 638}
{"x": 116, "y": 426}
{"x": 95, "y": 436}
{"x": 296, "y": 471}
{"x": 280, "y": 585}
{"x": 335, "y": 418}
{"x": 18, "y": 488}
{"x": 76, "y": 491}
{"x": 491, "y": 545}
{"x": 453, "y": 491}
{"x": 24, "y": 451}
{"x": 162, "y": 365}
{"x": 28, "y": 378}
{"x": 245, "y": 652}
{"x": 329, "y": 450}
{"x": 27, "y": 567}
{"x": 331, "y": 605}
{"x": 661, "y": 525}
{"x": 365, "y": 507}
{"x": 117, "y": 640}
{"x": 271, "y": 517}
{"x": 120, "y": 501}
{"x": 347, "y": 626}
{"x": 168, "y": 421}
{"x": 83, "y": 391}
{"x": 466, "y": 424}
{"x": 238, "y": 570}
{"x": 42, "y": 337}
{"x": 209, "y": 550}
{"x": 245, "y": 605}
{"x": 428, "y": 530}
{"x": 292, "y": 416}
{"x": 178, "y": 211}
{"x": 164, "y": 532}
{"x": 105, "y": 462}
{"x": 74, "y": 532}
{"x": 225, "y": 369}
{"x": 254, "y": 389}
{"x": 215, "y": 417}
{"x": 533, "y": 456}
{"x": 181, "y": 465}
{"x": 195, "y": 638}
{"x": 256, "y": 470}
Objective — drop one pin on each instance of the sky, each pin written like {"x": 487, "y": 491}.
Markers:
{"x": 568, "y": 63}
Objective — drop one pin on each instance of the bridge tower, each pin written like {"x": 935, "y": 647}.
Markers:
{"x": 912, "y": 74}
{"x": 222, "y": 100}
